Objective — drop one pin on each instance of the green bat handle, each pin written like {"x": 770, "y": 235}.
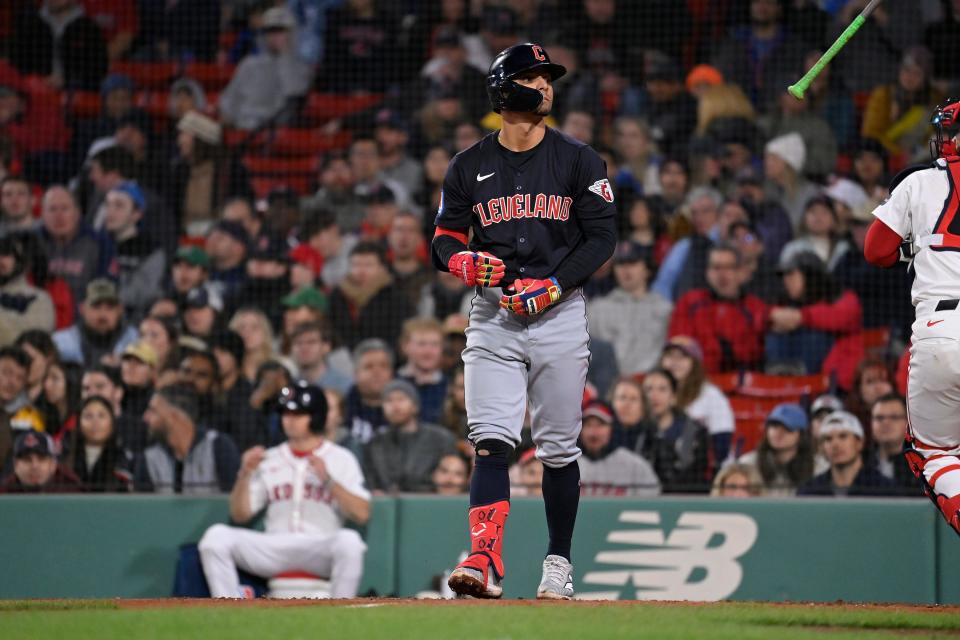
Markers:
{"x": 797, "y": 90}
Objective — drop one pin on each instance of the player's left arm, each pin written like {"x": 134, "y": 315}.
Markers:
{"x": 346, "y": 488}
{"x": 596, "y": 215}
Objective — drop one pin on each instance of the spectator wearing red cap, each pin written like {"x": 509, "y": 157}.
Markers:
{"x": 606, "y": 469}
{"x": 616, "y": 316}
{"x": 696, "y": 395}
{"x": 728, "y": 324}
{"x": 36, "y": 469}
{"x": 671, "y": 441}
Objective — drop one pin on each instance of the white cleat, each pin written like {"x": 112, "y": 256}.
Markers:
{"x": 557, "y": 582}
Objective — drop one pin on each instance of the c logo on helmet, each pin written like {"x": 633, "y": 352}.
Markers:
{"x": 538, "y": 53}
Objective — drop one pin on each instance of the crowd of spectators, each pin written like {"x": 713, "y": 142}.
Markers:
{"x": 157, "y": 290}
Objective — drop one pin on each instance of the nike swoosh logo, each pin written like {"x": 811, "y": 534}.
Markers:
{"x": 930, "y": 323}
{"x": 481, "y": 178}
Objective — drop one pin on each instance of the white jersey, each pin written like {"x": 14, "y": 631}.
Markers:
{"x": 297, "y": 501}
{"x": 917, "y": 211}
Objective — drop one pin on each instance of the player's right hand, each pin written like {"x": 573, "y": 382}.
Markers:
{"x": 252, "y": 458}
{"x": 477, "y": 268}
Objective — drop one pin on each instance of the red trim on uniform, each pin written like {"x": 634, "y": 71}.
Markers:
{"x": 299, "y": 575}
{"x": 940, "y": 472}
{"x": 923, "y": 445}
{"x": 882, "y": 245}
{"x": 456, "y": 234}
{"x": 300, "y": 454}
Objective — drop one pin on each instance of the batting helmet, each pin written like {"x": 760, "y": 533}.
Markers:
{"x": 506, "y": 94}
{"x": 946, "y": 124}
{"x": 305, "y": 398}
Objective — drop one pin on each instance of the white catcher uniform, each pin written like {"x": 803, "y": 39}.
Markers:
{"x": 303, "y": 530}
{"x": 925, "y": 211}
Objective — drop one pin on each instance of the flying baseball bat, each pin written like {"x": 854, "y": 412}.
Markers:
{"x": 797, "y": 90}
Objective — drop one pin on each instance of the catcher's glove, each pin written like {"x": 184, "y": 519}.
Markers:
{"x": 532, "y": 296}
{"x": 477, "y": 268}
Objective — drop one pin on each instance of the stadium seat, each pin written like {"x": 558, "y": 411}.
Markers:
{"x": 782, "y": 388}
{"x": 750, "y": 414}
{"x": 298, "y": 584}
{"x": 147, "y": 75}
{"x": 272, "y": 165}
{"x": 876, "y": 341}
{"x": 726, "y": 382}
{"x": 306, "y": 142}
{"x": 747, "y": 434}
{"x": 263, "y": 185}
{"x": 212, "y": 76}
{"x": 82, "y": 104}
{"x": 321, "y": 107}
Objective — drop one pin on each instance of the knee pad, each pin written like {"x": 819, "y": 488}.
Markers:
{"x": 498, "y": 453}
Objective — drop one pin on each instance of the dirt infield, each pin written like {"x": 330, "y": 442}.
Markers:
{"x": 267, "y": 603}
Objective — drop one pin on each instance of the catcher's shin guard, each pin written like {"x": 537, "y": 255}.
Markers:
{"x": 486, "y": 540}
{"x": 949, "y": 507}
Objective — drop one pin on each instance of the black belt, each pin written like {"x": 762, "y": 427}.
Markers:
{"x": 948, "y": 305}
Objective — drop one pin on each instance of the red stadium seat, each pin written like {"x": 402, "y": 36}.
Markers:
{"x": 782, "y": 388}
{"x": 264, "y": 185}
{"x": 726, "y": 382}
{"x": 747, "y": 434}
{"x": 147, "y": 75}
{"x": 212, "y": 76}
{"x": 876, "y": 341}
{"x": 82, "y": 104}
{"x": 321, "y": 107}
{"x": 307, "y": 142}
{"x": 272, "y": 165}
{"x": 155, "y": 103}
{"x": 749, "y": 414}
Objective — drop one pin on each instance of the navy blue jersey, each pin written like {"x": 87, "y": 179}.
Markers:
{"x": 532, "y": 209}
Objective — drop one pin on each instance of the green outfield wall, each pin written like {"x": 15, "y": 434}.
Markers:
{"x": 698, "y": 549}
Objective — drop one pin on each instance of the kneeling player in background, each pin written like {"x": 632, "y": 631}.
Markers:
{"x": 309, "y": 486}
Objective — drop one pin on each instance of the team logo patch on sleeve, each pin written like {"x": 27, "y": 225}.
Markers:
{"x": 602, "y": 188}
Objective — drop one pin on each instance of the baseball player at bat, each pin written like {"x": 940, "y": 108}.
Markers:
{"x": 541, "y": 212}
{"x": 308, "y": 486}
{"x": 924, "y": 210}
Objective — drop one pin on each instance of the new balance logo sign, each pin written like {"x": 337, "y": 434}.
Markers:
{"x": 681, "y": 566}
{"x": 602, "y": 189}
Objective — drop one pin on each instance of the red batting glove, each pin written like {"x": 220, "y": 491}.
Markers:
{"x": 477, "y": 268}
{"x": 532, "y": 296}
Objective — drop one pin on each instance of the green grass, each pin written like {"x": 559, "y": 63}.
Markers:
{"x": 102, "y": 620}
